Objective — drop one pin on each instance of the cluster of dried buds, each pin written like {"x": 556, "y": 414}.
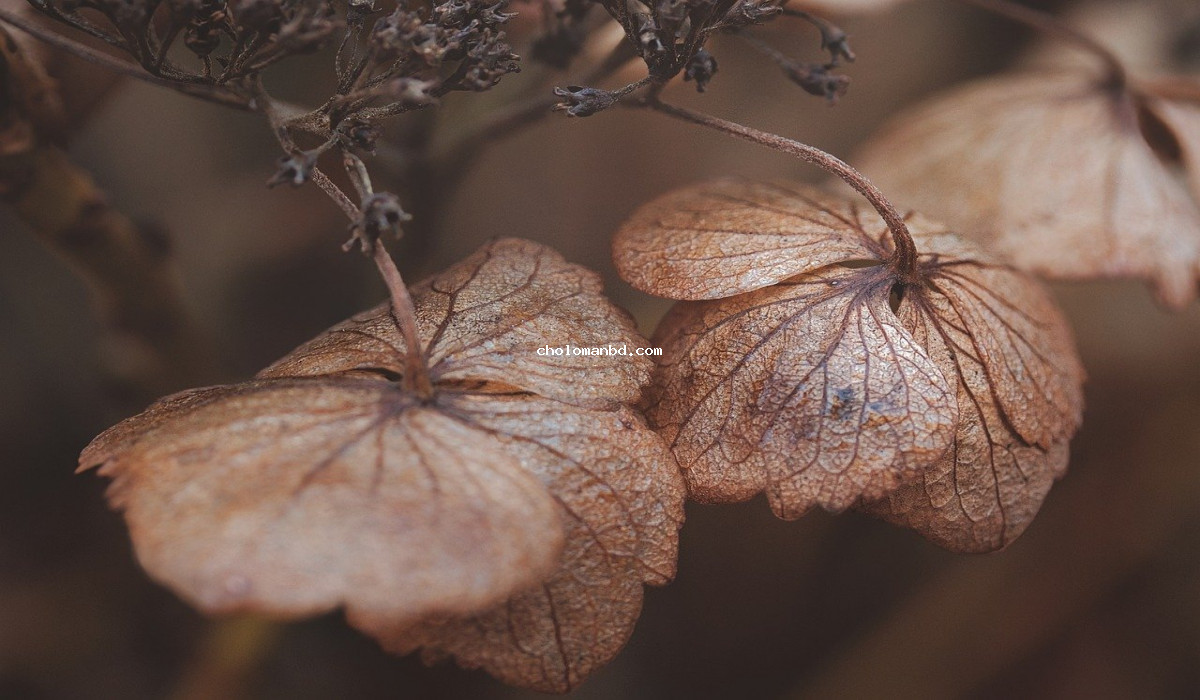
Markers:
{"x": 413, "y": 57}
{"x": 401, "y": 60}
{"x": 670, "y": 37}
{"x": 670, "y": 34}
{"x": 229, "y": 38}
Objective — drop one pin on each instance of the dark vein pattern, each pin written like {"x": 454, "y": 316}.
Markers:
{"x": 810, "y": 390}
{"x": 1018, "y": 393}
{"x": 485, "y": 318}
{"x": 950, "y": 415}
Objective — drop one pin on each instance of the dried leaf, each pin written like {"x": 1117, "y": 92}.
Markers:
{"x": 325, "y": 483}
{"x": 1066, "y": 177}
{"x": 950, "y": 415}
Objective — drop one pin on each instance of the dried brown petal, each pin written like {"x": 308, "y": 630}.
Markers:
{"x": 294, "y": 497}
{"x": 810, "y": 390}
{"x": 1062, "y": 175}
{"x": 620, "y": 495}
{"x": 1018, "y": 393}
{"x": 731, "y": 236}
{"x": 436, "y": 521}
{"x": 485, "y": 319}
{"x": 959, "y": 406}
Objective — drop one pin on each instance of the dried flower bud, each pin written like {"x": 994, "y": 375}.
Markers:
{"x": 307, "y": 30}
{"x": 294, "y": 170}
{"x": 358, "y": 133}
{"x": 491, "y": 59}
{"x": 583, "y": 101}
{"x": 816, "y": 79}
{"x": 647, "y": 36}
{"x": 454, "y": 13}
{"x": 670, "y": 15}
{"x": 701, "y": 68}
{"x": 393, "y": 36}
{"x": 493, "y": 16}
{"x": 836, "y": 42}
{"x": 381, "y": 213}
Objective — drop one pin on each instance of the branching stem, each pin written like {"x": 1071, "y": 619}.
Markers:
{"x": 211, "y": 93}
{"x": 416, "y": 372}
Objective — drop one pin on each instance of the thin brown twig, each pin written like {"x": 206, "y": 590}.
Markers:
{"x": 320, "y": 179}
{"x": 904, "y": 260}
{"x": 416, "y": 376}
{"x": 359, "y": 177}
{"x": 416, "y": 372}
{"x": 270, "y": 108}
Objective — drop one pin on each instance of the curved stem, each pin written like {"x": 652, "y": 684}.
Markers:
{"x": 904, "y": 259}
{"x": 1052, "y": 25}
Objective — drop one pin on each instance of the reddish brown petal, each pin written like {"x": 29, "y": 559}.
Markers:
{"x": 952, "y": 419}
{"x": 621, "y": 499}
{"x": 1018, "y": 383}
{"x": 293, "y": 497}
{"x": 810, "y": 390}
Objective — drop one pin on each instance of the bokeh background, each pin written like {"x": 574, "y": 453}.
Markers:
{"x": 1100, "y": 598}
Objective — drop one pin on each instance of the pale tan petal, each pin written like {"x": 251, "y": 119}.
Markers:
{"x": 730, "y": 236}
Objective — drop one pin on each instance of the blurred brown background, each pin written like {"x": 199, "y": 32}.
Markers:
{"x": 1101, "y": 598}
